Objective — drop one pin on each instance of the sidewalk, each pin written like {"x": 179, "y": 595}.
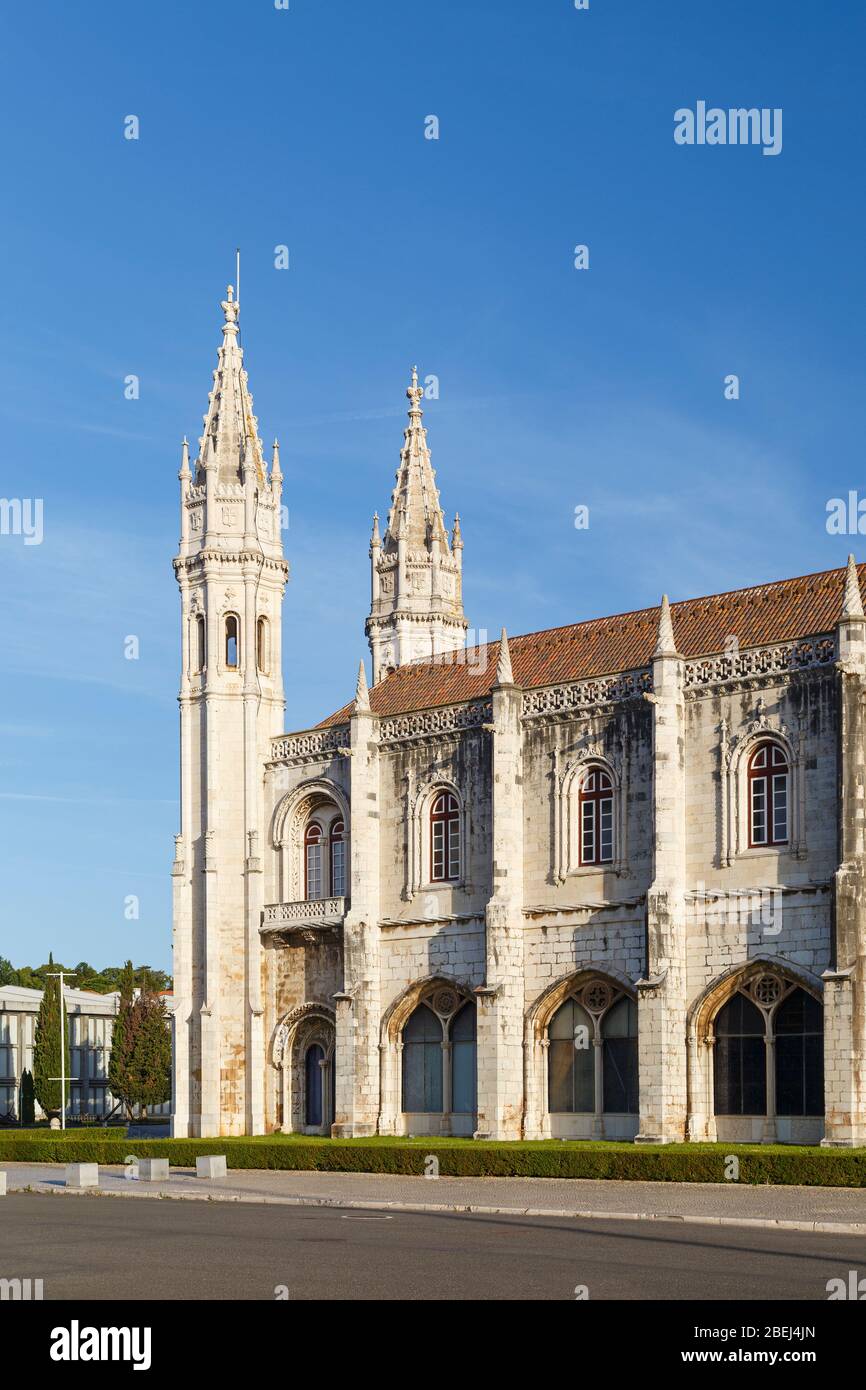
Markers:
{"x": 840, "y": 1210}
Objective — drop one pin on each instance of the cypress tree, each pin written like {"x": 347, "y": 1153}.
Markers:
{"x": 121, "y": 1077}
{"x": 46, "y": 1049}
{"x": 152, "y": 1055}
{"x": 27, "y": 1106}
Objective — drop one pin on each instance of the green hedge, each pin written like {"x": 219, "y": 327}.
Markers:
{"x": 681, "y": 1163}
{"x": 63, "y": 1136}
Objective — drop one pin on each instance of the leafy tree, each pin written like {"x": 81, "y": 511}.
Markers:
{"x": 27, "y": 1106}
{"x": 46, "y": 1048}
{"x": 121, "y": 1076}
{"x": 8, "y": 973}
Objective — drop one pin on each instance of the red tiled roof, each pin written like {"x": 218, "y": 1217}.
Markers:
{"x": 784, "y": 611}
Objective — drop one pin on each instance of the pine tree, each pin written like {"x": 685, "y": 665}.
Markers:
{"x": 121, "y": 1078}
{"x": 46, "y": 1049}
{"x": 152, "y": 1056}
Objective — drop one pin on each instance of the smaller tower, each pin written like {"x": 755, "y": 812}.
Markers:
{"x": 416, "y": 575}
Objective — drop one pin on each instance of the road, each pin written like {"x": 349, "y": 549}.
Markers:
{"x": 107, "y": 1248}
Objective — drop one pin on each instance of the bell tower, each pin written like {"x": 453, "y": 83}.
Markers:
{"x": 231, "y": 574}
{"x": 416, "y": 607}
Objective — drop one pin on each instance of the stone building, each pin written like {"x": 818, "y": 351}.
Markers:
{"x": 601, "y": 881}
{"x": 89, "y": 1020}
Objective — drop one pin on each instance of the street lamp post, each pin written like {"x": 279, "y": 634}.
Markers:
{"x": 59, "y": 975}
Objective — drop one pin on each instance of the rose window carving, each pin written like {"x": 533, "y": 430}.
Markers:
{"x": 767, "y": 990}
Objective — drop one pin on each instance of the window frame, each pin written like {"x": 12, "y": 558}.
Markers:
{"x": 262, "y": 646}
{"x": 313, "y": 839}
{"x": 227, "y": 619}
{"x": 446, "y": 823}
{"x": 762, "y": 779}
{"x": 337, "y": 837}
{"x": 595, "y": 791}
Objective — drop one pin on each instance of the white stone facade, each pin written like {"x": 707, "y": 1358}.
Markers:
{"x": 399, "y": 999}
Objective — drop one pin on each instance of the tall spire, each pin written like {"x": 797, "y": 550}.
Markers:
{"x": 852, "y": 603}
{"x": 415, "y": 492}
{"x": 665, "y": 645}
{"x": 417, "y": 597}
{"x": 230, "y": 437}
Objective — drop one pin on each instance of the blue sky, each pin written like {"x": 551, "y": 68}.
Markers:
{"x": 558, "y": 387}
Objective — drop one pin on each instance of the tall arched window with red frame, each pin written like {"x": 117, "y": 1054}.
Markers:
{"x": 338, "y": 859}
{"x": 313, "y": 862}
{"x": 596, "y": 817}
{"x": 769, "y": 796}
{"x": 445, "y": 838}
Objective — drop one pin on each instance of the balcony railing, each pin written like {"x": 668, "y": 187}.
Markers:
{"x": 318, "y": 915}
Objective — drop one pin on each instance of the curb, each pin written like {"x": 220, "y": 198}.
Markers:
{"x": 845, "y": 1228}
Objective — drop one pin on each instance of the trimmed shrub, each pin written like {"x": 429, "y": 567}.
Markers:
{"x": 670, "y": 1163}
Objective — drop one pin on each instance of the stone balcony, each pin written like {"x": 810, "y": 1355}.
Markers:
{"x": 302, "y": 923}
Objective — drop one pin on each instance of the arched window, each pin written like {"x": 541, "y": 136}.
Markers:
{"x": 200, "y": 657}
{"x": 313, "y": 862}
{"x": 445, "y": 838}
{"x": 792, "y": 1021}
{"x": 571, "y": 1075}
{"x": 739, "y": 1066}
{"x": 769, "y": 796}
{"x": 232, "y": 641}
{"x": 439, "y": 1057}
{"x": 463, "y": 1069}
{"x": 338, "y": 859}
{"x": 592, "y": 1054}
{"x": 619, "y": 1057}
{"x": 262, "y": 645}
{"x": 596, "y": 817}
{"x": 422, "y": 1062}
{"x": 798, "y": 1025}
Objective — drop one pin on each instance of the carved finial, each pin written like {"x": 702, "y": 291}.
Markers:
{"x": 456, "y": 534}
{"x": 230, "y": 307}
{"x": 414, "y": 392}
{"x": 362, "y": 694}
{"x": 852, "y": 603}
{"x": 504, "y": 674}
{"x": 276, "y": 471}
{"x": 184, "y": 460}
{"x": 375, "y": 539}
{"x": 665, "y": 644}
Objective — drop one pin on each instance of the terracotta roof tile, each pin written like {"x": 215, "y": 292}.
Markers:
{"x": 779, "y": 612}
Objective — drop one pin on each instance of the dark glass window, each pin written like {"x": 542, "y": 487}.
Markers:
{"x": 619, "y": 1058}
{"x": 739, "y": 1059}
{"x": 799, "y": 1030}
{"x": 463, "y": 1060}
{"x": 571, "y": 1071}
{"x": 422, "y": 1063}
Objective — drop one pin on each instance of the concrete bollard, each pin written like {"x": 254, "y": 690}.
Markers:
{"x": 210, "y": 1166}
{"x": 82, "y": 1175}
{"x": 152, "y": 1169}
{"x": 2, "y": 1184}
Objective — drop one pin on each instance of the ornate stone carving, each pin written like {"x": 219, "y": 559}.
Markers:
{"x": 430, "y": 722}
{"x": 760, "y": 661}
{"x": 316, "y": 743}
{"x": 630, "y": 685}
